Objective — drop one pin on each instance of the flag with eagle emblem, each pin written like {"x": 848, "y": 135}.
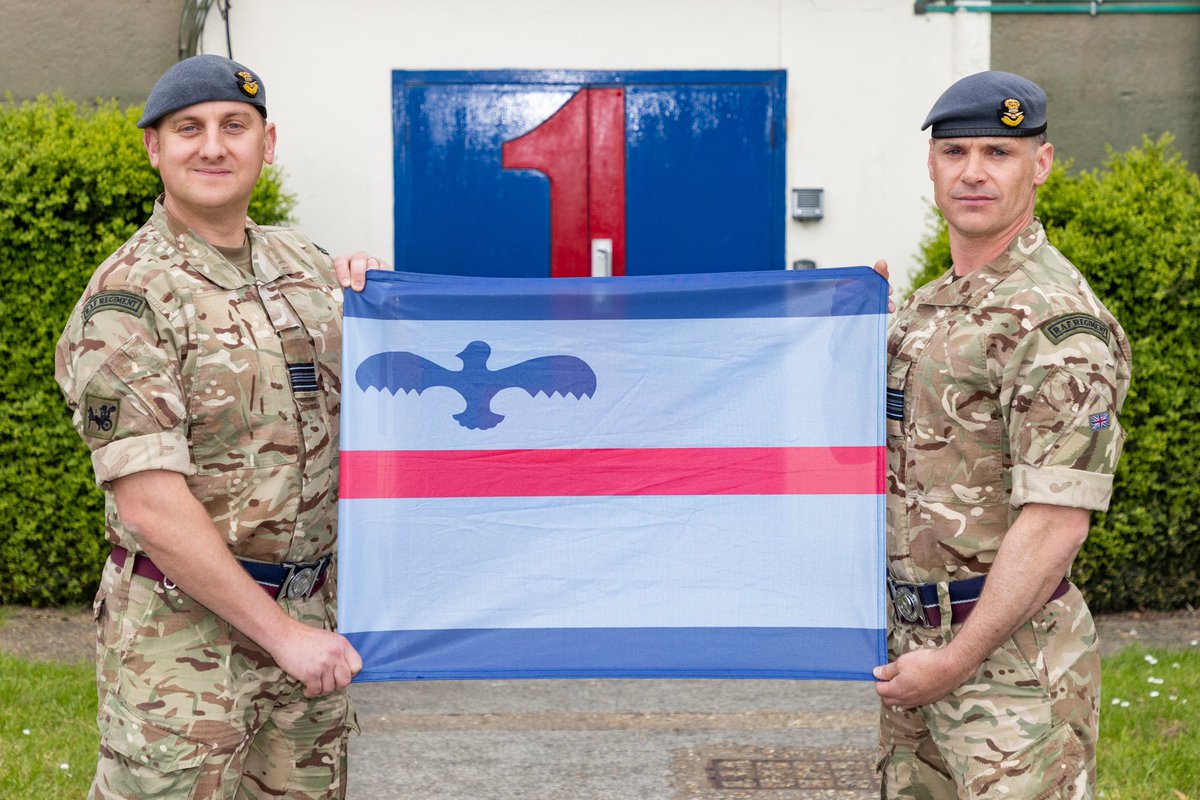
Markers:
{"x": 661, "y": 476}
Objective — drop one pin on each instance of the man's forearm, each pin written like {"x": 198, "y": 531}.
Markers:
{"x": 1035, "y": 556}
{"x": 1036, "y": 553}
{"x": 175, "y": 531}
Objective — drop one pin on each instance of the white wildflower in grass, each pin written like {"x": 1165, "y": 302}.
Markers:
{"x": 1116, "y": 701}
{"x": 64, "y": 766}
{"x": 1151, "y": 660}
{"x": 1154, "y": 694}
{"x": 1125, "y": 704}
{"x": 1175, "y": 665}
{"x": 1154, "y": 680}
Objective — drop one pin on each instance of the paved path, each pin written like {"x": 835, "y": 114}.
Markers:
{"x": 614, "y": 740}
{"x": 641, "y": 740}
{"x": 603, "y": 740}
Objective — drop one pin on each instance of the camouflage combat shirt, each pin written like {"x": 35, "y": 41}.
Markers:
{"x": 1004, "y": 388}
{"x": 175, "y": 359}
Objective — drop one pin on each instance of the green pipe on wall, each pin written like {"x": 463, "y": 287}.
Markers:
{"x": 1092, "y": 9}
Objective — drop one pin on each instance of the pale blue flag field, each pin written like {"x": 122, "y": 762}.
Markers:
{"x": 661, "y": 476}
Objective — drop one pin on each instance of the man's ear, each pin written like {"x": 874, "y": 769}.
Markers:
{"x": 1043, "y": 160}
{"x": 150, "y": 140}
{"x": 269, "y": 144}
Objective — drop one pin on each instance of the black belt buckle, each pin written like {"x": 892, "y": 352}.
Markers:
{"x": 906, "y": 603}
{"x": 302, "y": 578}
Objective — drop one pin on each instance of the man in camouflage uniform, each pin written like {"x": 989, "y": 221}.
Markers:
{"x": 202, "y": 367}
{"x": 1005, "y": 380}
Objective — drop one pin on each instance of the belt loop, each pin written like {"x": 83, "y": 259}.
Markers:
{"x": 126, "y": 573}
{"x": 945, "y": 610}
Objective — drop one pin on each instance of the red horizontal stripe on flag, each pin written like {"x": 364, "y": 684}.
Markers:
{"x": 611, "y": 472}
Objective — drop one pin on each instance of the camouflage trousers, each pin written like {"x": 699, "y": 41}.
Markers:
{"x": 1024, "y": 726}
{"x": 191, "y": 708}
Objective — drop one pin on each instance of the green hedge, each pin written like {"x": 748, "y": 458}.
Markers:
{"x": 1133, "y": 229}
{"x": 75, "y": 184}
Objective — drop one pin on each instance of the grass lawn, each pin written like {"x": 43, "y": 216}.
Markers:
{"x": 1149, "y": 727}
{"x": 47, "y": 729}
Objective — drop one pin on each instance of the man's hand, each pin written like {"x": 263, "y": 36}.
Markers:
{"x": 919, "y": 678}
{"x": 322, "y": 660}
{"x": 351, "y": 270}
{"x": 881, "y": 267}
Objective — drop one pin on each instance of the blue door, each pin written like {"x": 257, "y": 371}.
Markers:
{"x": 589, "y": 173}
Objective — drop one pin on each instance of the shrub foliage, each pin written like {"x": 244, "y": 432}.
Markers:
{"x": 1133, "y": 229}
{"x": 76, "y": 184}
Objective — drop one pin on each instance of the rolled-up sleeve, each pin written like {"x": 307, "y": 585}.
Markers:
{"x": 1064, "y": 421}
{"x": 121, "y": 374}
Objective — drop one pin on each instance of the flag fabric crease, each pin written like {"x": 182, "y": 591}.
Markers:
{"x": 662, "y": 476}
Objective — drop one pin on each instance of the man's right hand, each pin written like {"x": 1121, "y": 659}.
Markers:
{"x": 324, "y": 661}
{"x": 881, "y": 266}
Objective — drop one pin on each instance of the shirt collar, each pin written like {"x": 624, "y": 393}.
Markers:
{"x": 205, "y": 259}
{"x": 972, "y": 288}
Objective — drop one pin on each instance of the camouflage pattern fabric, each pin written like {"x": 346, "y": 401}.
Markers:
{"x": 1024, "y": 726}
{"x": 175, "y": 359}
{"x": 1012, "y": 378}
{"x": 191, "y": 708}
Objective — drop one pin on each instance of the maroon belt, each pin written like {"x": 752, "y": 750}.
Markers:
{"x": 294, "y": 580}
{"x": 917, "y": 603}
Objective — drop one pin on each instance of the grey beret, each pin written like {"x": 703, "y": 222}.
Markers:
{"x": 989, "y": 104}
{"x": 201, "y": 79}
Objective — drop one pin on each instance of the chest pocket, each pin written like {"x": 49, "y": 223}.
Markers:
{"x": 241, "y": 412}
{"x": 955, "y": 429}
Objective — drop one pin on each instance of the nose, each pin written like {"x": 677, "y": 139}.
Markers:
{"x": 973, "y": 169}
{"x": 213, "y": 146}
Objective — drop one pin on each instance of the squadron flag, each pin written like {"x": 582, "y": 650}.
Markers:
{"x": 661, "y": 476}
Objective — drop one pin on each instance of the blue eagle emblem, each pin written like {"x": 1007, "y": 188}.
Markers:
{"x": 398, "y": 371}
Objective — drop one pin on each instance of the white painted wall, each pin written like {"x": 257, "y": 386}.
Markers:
{"x": 861, "y": 76}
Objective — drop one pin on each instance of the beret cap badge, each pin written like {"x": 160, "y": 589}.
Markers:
{"x": 1011, "y": 113}
{"x": 248, "y": 83}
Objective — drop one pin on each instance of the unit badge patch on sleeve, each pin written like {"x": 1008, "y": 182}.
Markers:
{"x": 1100, "y": 421}
{"x": 126, "y": 302}
{"x": 1060, "y": 328}
{"x": 100, "y": 416}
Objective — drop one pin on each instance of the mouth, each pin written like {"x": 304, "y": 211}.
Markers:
{"x": 974, "y": 199}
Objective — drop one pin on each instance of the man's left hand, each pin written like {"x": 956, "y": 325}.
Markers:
{"x": 352, "y": 269}
{"x": 919, "y": 678}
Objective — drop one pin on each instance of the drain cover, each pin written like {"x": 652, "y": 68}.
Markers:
{"x": 811, "y": 772}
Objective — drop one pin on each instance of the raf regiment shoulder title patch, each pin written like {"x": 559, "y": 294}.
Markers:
{"x": 247, "y": 83}
{"x": 1060, "y": 328}
{"x": 128, "y": 302}
{"x": 1011, "y": 113}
